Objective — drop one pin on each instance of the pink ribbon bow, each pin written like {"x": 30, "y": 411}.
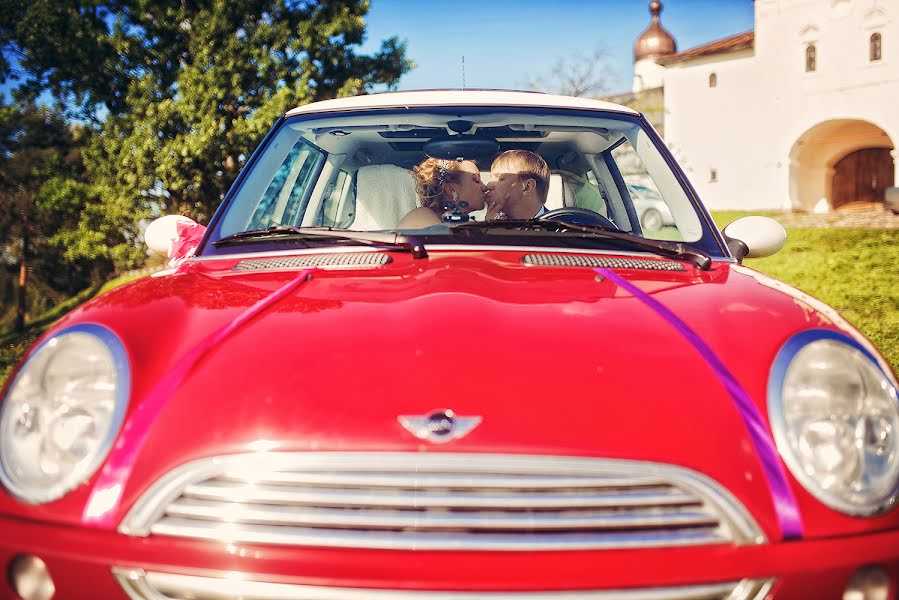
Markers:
{"x": 185, "y": 245}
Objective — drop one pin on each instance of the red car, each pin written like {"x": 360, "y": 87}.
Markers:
{"x": 374, "y": 377}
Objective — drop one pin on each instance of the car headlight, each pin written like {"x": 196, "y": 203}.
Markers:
{"x": 835, "y": 418}
{"x": 62, "y": 413}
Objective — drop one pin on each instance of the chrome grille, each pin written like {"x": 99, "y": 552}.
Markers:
{"x": 142, "y": 585}
{"x": 343, "y": 260}
{"x": 608, "y": 262}
{"x": 440, "y": 502}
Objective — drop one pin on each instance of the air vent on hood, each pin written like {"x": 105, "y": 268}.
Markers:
{"x": 346, "y": 260}
{"x": 609, "y": 262}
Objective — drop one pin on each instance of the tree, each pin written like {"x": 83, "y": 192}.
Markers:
{"x": 580, "y": 75}
{"x": 40, "y": 172}
{"x": 181, "y": 92}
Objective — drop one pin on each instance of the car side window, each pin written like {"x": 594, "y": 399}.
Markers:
{"x": 592, "y": 195}
{"x": 655, "y": 217}
{"x": 288, "y": 192}
{"x": 339, "y": 206}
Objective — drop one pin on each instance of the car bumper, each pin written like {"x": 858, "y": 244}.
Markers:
{"x": 85, "y": 563}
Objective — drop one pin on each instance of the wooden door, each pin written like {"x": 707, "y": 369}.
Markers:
{"x": 862, "y": 176}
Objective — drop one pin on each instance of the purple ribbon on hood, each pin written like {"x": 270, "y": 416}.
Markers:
{"x": 781, "y": 495}
{"x": 106, "y": 495}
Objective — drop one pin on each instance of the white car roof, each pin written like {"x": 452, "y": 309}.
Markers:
{"x": 457, "y": 98}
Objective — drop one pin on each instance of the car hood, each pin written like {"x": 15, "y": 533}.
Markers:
{"x": 554, "y": 360}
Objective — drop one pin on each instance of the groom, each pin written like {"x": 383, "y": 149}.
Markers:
{"x": 519, "y": 182}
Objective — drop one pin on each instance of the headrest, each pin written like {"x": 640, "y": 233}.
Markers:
{"x": 384, "y": 194}
{"x": 559, "y": 194}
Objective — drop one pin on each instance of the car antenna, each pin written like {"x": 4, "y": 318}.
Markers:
{"x": 463, "y": 71}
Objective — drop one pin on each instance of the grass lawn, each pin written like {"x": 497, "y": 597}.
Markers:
{"x": 854, "y": 270}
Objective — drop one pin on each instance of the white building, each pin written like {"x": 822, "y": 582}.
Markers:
{"x": 800, "y": 113}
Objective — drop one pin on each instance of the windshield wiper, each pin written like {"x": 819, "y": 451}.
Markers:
{"x": 665, "y": 248}
{"x": 280, "y": 233}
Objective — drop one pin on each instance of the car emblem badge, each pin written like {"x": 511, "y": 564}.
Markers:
{"x": 439, "y": 426}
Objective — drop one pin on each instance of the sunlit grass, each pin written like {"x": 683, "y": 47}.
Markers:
{"x": 854, "y": 270}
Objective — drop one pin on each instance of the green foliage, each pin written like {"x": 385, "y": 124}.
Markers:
{"x": 63, "y": 48}
{"x": 179, "y": 94}
{"x": 11, "y": 350}
{"x": 41, "y": 176}
{"x": 723, "y": 218}
{"x": 14, "y": 344}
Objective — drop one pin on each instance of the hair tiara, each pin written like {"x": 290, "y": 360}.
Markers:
{"x": 443, "y": 170}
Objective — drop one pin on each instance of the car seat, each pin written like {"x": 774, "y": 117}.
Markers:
{"x": 579, "y": 192}
{"x": 559, "y": 194}
{"x": 384, "y": 194}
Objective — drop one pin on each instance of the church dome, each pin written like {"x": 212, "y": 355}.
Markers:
{"x": 655, "y": 42}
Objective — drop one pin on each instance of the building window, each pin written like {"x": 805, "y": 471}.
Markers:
{"x": 811, "y": 58}
{"x": 713, "y": 80}
{"x": 874, "y": 52}
{"x": 713, "y": 175}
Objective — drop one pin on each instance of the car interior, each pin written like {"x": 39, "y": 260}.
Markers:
{"x": 354, "y": 171}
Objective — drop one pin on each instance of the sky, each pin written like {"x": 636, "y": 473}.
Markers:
{"x": 506, "y": 43}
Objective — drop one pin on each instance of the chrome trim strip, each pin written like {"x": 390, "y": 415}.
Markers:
{"x": 143, "y": 585}
{"x": 390, "y": 519}
{"x": 413, "y": 501}
{"x": 280, "y": 535}
{"x": 448, "y": 480}
{"x": 218, "y": 489}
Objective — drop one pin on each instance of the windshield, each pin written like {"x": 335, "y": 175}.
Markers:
{"x": 411, "y": 169}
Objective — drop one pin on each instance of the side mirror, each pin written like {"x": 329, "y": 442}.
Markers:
{"x": 163, "y": 231}
{"x": 175, "y": 237}
{"x": 754, "y": 237}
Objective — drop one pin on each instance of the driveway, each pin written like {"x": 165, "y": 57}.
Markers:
{"x": 857, "y": 214}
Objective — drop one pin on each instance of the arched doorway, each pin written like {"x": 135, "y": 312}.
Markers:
{"x": 840, "y": 161}
{"x": 862, "y": 176}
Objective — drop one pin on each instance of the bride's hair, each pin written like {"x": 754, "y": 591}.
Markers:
{"x": 430, "y": 176}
